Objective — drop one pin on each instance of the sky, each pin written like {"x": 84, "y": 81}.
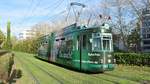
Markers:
{"x": 26, "y": 13}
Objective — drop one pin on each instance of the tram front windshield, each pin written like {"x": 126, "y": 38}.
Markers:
{"x": 101, "y": 43}
{"x": 96, "y": 44}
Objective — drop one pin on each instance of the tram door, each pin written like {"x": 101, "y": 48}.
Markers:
{"x": 82, "y": 49}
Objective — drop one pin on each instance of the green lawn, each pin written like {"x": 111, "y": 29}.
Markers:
{"x": 35, "y": 71}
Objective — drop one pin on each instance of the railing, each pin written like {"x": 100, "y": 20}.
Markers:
{"x": 3, "y": 52}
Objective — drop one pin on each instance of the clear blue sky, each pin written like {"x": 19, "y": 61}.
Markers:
{"x": 26, "y": 13}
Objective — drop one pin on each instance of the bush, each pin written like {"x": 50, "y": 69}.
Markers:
{"x": 6, "y": 62}
{"x": 29, "y": 46}
{"x": 7, "y": 45}
{"x": 132, "y": 58}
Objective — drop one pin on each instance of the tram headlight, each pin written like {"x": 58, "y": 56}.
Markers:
{"x": 109, "y": 60}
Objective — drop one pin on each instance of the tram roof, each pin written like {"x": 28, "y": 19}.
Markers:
{"x": 75, "y": 28}
{"x": 72, "y": 28}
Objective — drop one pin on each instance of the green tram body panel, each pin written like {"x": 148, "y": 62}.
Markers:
{"x": 87, "y": 49}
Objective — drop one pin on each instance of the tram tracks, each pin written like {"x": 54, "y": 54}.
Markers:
{"x": 49, "y": 73}
{"x": 61, "y": 80}
{"x": 134, "y": 78}
{"x": 115, "y": 79}
{"x": 59, "y": 75}
{"x": 80, "y": 80}
{"x": 36, "y": 80}
{"x": 115, "y": 82}
{"x": 122, "y": 77}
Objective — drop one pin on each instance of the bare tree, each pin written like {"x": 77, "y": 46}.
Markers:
{"x": 121, "y": 20}
{"x": 42, "y": 29}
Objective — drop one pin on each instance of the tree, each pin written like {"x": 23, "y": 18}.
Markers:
{"x": 134, "y": 38}
{"x": 137, "y": 7}
{"x": 8, "y": 31}
{"x": 42, "y": 29}
{"x": 7, "y": 44}
{"x": 2, "y": 37}
{"x": 120, "y": 20}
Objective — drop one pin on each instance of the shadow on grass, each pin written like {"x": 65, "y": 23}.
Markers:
{"x": 69, "y": 68}
{"x": 145, "y": 82}
{"x": 16, "y": 74}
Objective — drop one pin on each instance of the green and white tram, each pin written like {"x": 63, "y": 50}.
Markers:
{"x": 80, "y": 47}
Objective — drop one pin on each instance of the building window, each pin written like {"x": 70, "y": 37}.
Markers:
{"x": 148, "y": 35}
{"x": 146, "y": 42}
{"x": 146, "y": 47}
{"x": 143, "y": 30}
{"x": 144, "y": 36}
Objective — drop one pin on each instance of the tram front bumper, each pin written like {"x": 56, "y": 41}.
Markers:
{"x": 101, "y": 67}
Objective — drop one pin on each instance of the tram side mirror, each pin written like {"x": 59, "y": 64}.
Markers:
{"x": 91, "y": 40}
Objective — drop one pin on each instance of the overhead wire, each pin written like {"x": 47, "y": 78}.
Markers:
{"x": 35, "y": 8}
{"x": 59, "y": 2}
{"x": 57, "y": 6}
{"x": 56, "y": 15}
{"x": 26, "y": 13}
{"x": 32, "y": 11}
{"x": 68, "y": 13}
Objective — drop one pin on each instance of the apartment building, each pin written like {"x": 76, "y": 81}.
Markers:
{"x": 145, "y": 30}
{"x": 27, "y": 34}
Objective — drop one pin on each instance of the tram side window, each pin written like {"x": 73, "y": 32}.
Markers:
{"x": 41, "y": 47}
{"x": 69, "y": 46}
{"x": 45, "y": 45}
{"x": 63, "y": 46}
{"x": 89, "y": 43}
{"x": 66, "y": 48}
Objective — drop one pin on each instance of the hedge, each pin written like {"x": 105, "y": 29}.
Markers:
{"x": 132, "y": 58}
